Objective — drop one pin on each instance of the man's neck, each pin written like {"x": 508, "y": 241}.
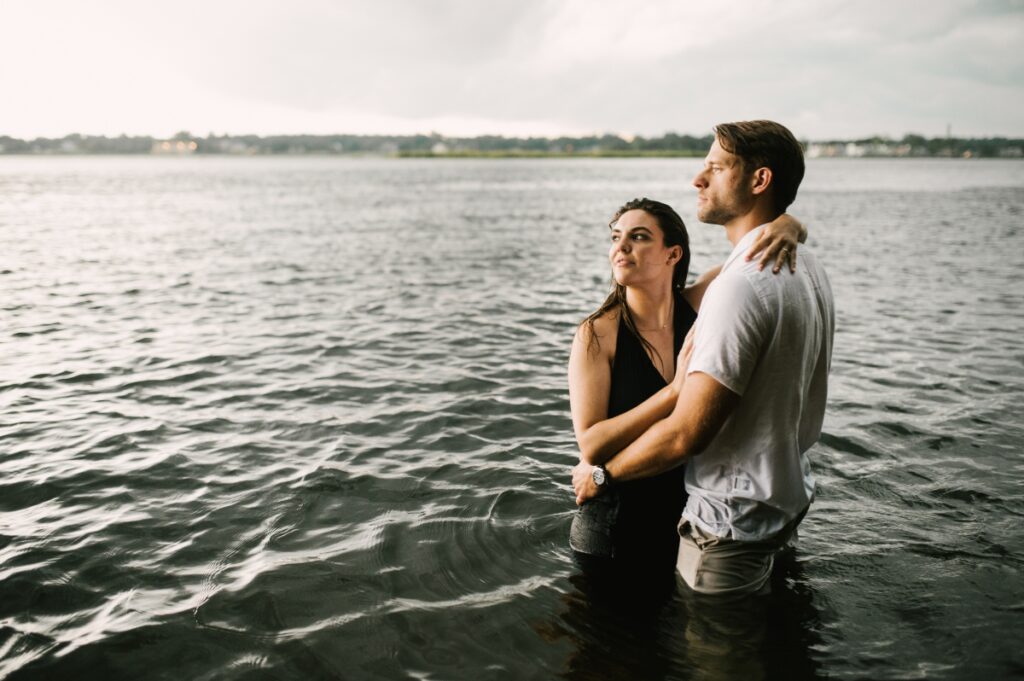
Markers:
{"x": 739, "y": 227}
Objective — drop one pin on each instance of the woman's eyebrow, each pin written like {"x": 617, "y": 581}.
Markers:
{"x": 635, "y": 228}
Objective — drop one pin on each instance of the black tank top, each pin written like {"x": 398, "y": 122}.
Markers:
{"x": 644, "y": 526}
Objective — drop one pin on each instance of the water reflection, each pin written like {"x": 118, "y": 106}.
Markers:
{"x": 660, "y": 629}
{"x": 220, "y": 400}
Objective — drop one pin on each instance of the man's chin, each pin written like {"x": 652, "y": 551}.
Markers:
{"x": 710, "y": 218}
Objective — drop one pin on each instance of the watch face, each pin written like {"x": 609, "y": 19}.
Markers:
{"x": 598, "y": 476}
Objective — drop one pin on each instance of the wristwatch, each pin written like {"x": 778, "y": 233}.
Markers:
{"x": 601, "y": 477}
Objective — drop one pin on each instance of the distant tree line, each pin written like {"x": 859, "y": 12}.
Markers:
{"x": 670, "y": 144}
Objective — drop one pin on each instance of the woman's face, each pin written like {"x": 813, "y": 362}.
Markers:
{"x": 638, "y": 253}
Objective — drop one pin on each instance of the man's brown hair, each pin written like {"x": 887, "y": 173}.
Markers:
{"x": 766, "y": 144}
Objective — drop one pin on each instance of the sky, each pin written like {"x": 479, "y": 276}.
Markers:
{"x": 828, "y": 69}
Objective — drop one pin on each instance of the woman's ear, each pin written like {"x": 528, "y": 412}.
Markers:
{"x": 675, "y": 254}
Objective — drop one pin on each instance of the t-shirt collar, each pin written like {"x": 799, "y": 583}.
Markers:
{"x": 744, "y": 244}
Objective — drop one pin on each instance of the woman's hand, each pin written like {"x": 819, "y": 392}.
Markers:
{"x": 583, "y": 483}
{"x": 683, "y": 363}
{"x": 779, "y": 241}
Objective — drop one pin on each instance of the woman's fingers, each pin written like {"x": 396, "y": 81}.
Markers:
{"x": 683, "y": 360}
{"x": 780, "y": 260}
{"x": 779, "y": 253}
{"x": 778, "y": 250}
{"x": 687, "y": 350}
{"x": 759, "y": 245}
{"x": 785, "y": 256}
{"x": 684, "y": 351}
{"x": 771, "y": 250}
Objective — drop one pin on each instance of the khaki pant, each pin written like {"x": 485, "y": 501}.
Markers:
{"x": 716, "y": 565}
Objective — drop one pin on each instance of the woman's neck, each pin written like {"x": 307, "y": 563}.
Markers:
{"x": 652, "y": 309}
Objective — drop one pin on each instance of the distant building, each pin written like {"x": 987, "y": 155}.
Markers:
{"x": 174, "y": 147}
{"x": 830, "y": 150}
{"x": 859, "y": 149}
{"x": 233, "y": 146}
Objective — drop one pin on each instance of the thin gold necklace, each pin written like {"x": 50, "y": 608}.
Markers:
{"x": 671, "y": 318}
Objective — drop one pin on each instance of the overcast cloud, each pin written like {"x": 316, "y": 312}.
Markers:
{"x": 828, "y": 69}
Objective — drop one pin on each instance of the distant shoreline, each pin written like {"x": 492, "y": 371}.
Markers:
{"x": 554, "y": 154}
{"x": 669, "y": 145}
{"x": 488, "y": 156}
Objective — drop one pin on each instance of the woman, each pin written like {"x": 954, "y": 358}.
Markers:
{"x": 622, "y": 379}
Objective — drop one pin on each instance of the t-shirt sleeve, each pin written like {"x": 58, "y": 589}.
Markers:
{"x": 729, "y": 332}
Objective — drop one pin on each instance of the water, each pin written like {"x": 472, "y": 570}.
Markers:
{"x": 307, "y": 418}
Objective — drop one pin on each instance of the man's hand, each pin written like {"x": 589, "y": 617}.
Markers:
{"x": 583, "y": 482}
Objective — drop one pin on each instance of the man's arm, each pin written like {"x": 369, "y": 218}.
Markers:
{"x": 590, "y": 379}
{"x": 703, "y": 406}
{"x": 728, "y": 336}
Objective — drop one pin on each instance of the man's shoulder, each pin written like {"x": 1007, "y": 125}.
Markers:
{"x": 741, "y": 283}
{"x": 769, "y": 285}
{"x": 731, "y": 301}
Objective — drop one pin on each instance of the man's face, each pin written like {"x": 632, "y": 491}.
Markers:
{"x": 723, "y": 188}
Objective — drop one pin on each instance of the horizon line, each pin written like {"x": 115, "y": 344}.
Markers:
{"x": 629, "y": 138}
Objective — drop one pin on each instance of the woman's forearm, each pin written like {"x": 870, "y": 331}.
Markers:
{"x": 606, "y": 438}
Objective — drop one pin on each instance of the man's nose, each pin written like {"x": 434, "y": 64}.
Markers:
{"x": 698, "y": 180}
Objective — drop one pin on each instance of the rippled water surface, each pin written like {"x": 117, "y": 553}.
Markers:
{"x": 307, "y": 418}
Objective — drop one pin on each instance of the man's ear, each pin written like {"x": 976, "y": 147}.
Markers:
{"x": 760, "y": 180}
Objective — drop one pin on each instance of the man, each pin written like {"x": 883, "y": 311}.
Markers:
{"x": 753, "y": 398}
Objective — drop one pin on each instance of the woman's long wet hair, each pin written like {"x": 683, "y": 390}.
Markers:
{"x": 674, "y": 232}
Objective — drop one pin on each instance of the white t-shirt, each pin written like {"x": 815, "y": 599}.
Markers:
{"x": 768, "y": 338}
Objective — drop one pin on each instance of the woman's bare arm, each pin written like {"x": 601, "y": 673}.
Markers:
{"x": 590, "y": 380}
{"x": 694, "y": 293}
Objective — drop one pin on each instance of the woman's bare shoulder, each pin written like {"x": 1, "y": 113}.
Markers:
{"x": 600, "y": 335}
